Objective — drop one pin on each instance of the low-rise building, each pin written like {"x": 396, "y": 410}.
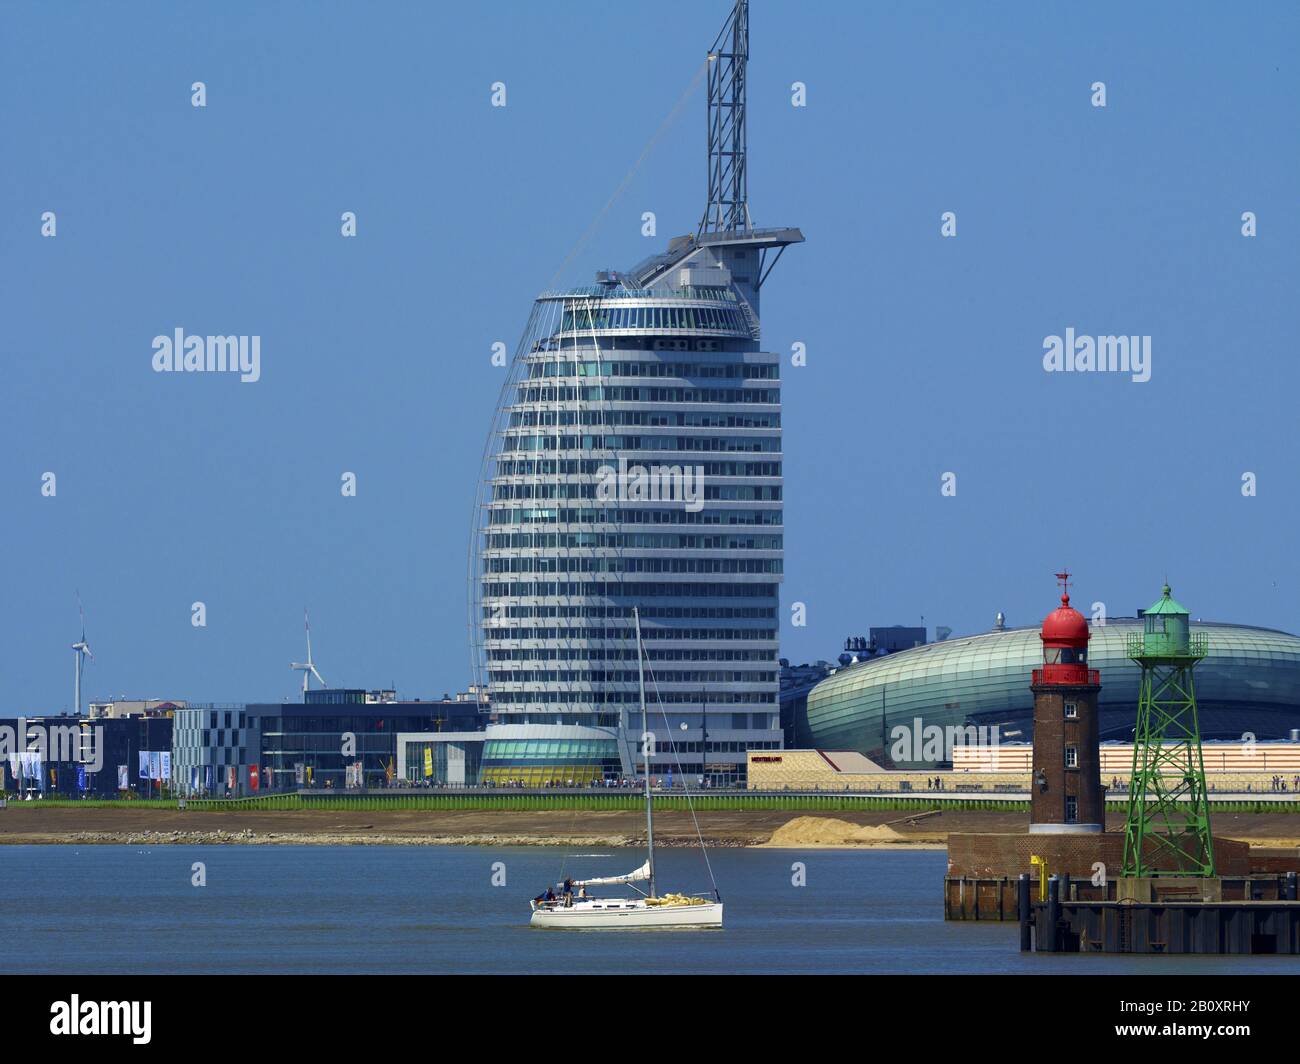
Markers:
{"x": 344, "y": 738}
{"x": 209, "y": 750}
{"x": 87, "y": 757}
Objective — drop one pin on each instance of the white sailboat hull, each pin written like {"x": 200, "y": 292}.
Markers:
{"x": 626, "y": 915}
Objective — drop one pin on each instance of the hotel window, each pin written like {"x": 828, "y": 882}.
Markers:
{"x": 1071, "y": 757}
{"x": 1071, "y": 809}
{"x": 1071, "y": 710}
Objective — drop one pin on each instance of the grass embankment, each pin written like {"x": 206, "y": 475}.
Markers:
{"x": 599, "y": 801}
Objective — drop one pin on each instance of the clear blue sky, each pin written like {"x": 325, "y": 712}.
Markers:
{"x": 924, "y": 353}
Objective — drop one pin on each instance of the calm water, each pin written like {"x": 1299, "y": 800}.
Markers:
{"x": 270, "y": 909}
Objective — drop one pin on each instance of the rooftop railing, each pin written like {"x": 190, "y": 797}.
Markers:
{"x": 603, "y": 292}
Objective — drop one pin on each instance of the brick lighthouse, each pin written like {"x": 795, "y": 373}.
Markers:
{"x": 1066, "y": 795}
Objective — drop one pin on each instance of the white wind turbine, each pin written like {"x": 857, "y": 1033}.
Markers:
{"x": 82, "y": 651}
{"x": 307, "y": 668}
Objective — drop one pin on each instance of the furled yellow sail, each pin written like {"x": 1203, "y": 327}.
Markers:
{"x": 675, "y": 899}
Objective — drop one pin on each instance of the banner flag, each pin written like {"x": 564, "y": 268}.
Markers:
{"x": 230, "y": 777}
{"x": 155, "y": 764}
{"x": 81, "y": 777}
{"x": 122, "y": 783}
{"x": 252, "y": 777}
{"x": 166, "y": 758}
{"x": 428, "y": 761}
{"x": 207, "y": 778}
{"x": 144, "y": 764}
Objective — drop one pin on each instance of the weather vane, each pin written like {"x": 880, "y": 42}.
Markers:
{"x": 1064, "y": 578}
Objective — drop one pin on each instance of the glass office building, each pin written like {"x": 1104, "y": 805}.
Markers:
{"x": 1249, "y": 683}
{"x": 208, "y": 747}
{"x": 636, "y": 462}
{"x": 316, "y": 743}
{"x": 445, "y": 759}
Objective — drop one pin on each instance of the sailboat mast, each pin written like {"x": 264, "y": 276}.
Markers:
{"x": 645, "y": 750}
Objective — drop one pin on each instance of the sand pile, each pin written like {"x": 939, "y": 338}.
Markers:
{"x": 1288, "y": 842}
{"x": 827, "y": 831}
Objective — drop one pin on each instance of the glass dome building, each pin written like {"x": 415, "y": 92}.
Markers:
{"x": 1249, "y": 682}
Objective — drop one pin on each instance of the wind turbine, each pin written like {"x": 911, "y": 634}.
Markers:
{"x": 307, "y": 668}
{"x": 82, "y": 651}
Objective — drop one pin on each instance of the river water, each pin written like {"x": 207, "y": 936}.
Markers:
{"x": 400, "y": 909}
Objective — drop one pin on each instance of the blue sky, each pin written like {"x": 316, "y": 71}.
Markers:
{"x": 924, "y": 353}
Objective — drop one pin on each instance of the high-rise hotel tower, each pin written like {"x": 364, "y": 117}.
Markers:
{"x": 636, "y": 462}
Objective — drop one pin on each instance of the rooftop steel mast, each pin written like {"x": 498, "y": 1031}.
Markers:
{"x": 728, "y": 209}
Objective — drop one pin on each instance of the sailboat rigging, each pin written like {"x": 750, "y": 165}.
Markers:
{"x": 579, "y": 910}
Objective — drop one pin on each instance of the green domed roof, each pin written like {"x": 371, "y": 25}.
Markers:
{"x": 1167, "y": 604}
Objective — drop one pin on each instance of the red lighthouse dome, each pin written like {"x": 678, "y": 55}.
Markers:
{"x": 1065, "y": 642}
{"x": 1065, "y": 626}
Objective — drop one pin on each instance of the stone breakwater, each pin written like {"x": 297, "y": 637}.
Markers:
{"x": 248, "y": 837}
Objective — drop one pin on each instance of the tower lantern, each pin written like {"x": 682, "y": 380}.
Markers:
{"x": 1165, "y": 631}
{"x": 1066, "y": 795}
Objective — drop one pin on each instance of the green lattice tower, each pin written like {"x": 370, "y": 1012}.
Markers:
{"x": 1167, "y": 831}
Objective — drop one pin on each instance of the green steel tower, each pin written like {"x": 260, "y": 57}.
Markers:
{"x": 1167, "y": 832}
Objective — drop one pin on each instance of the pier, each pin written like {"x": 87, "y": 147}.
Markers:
{"x": 1178, "y": 915}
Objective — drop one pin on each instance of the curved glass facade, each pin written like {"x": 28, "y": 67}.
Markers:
{"x": 549, "y": 756}
{"x": 1248, "y": 683}
{"x": 635, "y": 461}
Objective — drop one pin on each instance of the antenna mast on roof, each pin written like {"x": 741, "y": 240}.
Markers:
{"x": 728, "y": 209}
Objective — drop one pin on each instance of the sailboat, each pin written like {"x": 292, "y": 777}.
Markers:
{"x": 650, "y": 910}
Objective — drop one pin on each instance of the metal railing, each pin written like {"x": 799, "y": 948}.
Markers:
{"x": 747, "y": 312}
{"x": 1065, "y": 674}
{"x": 1162, "y": 645}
